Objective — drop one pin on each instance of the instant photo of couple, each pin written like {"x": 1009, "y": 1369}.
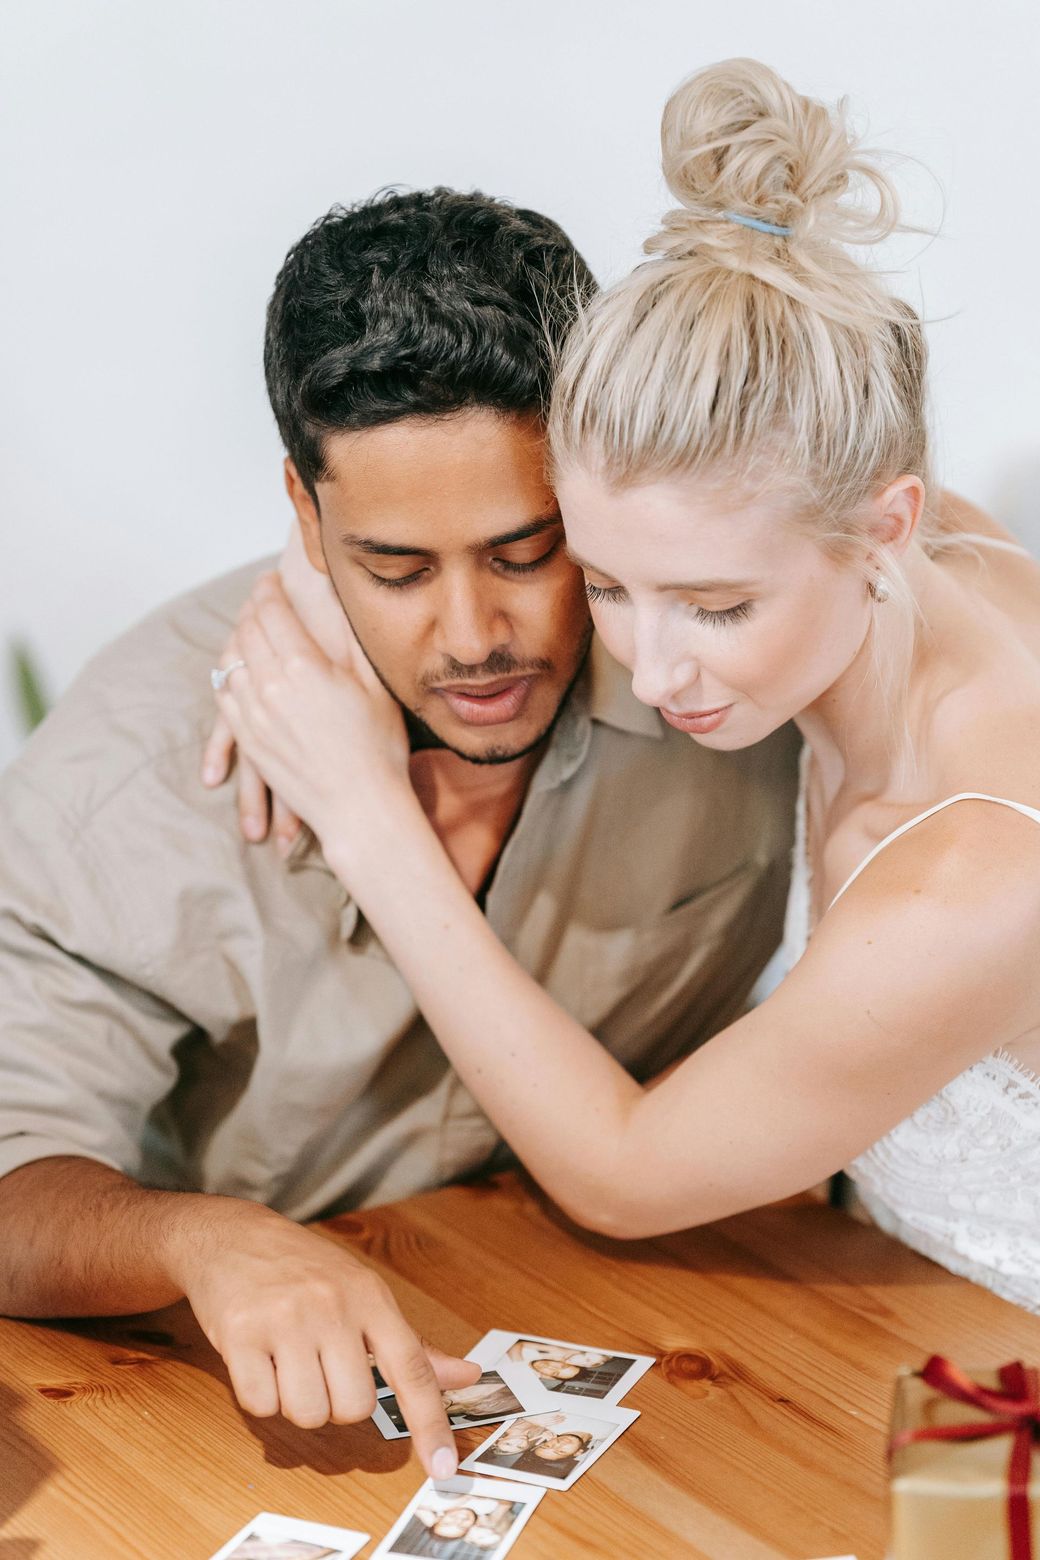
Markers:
{"x": 622, "y": 637}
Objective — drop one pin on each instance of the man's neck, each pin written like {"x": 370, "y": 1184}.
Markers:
{"x": 472, "y": 807}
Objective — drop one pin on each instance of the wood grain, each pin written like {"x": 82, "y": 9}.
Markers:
{"x": 778, "y": 1336}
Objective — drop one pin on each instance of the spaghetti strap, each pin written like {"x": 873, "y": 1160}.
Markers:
{"x": 962, "y": 796}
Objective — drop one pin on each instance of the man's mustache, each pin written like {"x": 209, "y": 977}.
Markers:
{"x": 498, "y": 664}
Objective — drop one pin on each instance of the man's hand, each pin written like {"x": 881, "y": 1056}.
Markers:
{"x": 296, "y": 1320}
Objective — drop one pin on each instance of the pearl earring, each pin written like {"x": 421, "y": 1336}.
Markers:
{"x": 879, "y": 588}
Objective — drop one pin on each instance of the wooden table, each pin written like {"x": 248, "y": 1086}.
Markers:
{"x": 762, "y": 1430}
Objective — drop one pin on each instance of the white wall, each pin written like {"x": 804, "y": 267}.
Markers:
{"x": 158, "y": 160}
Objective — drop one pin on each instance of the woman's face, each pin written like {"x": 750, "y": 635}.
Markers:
{"x": 455, "y": 1522}
{"x": 558, "y": 1370}
{"x": 731, "y": 619}
{"x": 515, "y": 1441}
{"x": 586, "y": 1358}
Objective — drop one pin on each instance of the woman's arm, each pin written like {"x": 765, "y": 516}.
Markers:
{"x": 918, "y": 971}
{"x": 915, "y": 974}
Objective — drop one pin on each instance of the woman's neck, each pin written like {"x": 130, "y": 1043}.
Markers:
{"x": 849, "y": 728}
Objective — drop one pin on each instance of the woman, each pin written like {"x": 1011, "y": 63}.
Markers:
{"x": 522, "y": 1434}
{"x": 739, "y": 447}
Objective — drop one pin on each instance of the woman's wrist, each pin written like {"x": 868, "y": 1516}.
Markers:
{"x": 375, "y": 834}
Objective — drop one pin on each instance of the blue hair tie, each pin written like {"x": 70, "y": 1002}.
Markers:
{"x": 758, "y": 225}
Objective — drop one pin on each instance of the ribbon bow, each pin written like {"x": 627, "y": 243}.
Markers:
{"x": 1015, "y": 1411}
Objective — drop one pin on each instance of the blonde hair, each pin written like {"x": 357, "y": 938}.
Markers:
{"x": 763, "y": 361}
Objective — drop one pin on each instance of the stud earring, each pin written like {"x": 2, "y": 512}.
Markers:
{"x": 879, "y": 588}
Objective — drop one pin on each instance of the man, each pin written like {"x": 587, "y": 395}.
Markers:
{"x": 201, "y": 1042}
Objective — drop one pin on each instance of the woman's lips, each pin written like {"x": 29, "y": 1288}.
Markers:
{"x": 487, "y": 704}
{"x": 700, "y": 721}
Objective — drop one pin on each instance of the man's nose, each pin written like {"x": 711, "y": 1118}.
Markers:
{"x": 472, "y": 623}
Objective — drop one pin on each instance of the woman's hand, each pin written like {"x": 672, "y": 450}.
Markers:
{"x": 316, "y": 605}
{"x": 325, "y": 737}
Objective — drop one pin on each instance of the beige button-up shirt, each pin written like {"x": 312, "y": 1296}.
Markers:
{"x": 199, "y": 1014}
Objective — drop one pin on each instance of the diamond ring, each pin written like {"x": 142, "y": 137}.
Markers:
{"x": 220, "y": 674}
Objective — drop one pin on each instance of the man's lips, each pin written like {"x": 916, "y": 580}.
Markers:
{"x": 489, "y": 703}
{"x": 697, "y": 722}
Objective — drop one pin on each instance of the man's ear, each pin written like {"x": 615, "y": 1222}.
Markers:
{"x": 897, "y": 511}
{"x": 308, "y": 516}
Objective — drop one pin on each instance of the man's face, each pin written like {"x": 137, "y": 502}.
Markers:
{"x": 557, "y": 1447}
{"x": 445, "y": 547}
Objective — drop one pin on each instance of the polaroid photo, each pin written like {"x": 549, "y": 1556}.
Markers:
{"x": 461, "y": 1519}
{"x": 487, "y": 1402}
{"x": 269, "y": 1537}
{"x": 552, "y": 1449}
{"x": 541, "y": 1370}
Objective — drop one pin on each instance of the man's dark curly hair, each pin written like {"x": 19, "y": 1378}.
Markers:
{"x": 416, "y": 305}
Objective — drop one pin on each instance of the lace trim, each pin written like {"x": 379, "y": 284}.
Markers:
{"x": 1026, "y": 1077}
{"x": 959, "y": 1179}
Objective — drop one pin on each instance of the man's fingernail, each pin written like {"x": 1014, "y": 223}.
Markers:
{"x": 210, "y": 775}
{"x": 445, "y": 1463}
{"x": 251, "y": 828}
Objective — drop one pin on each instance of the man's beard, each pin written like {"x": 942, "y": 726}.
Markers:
{"x": 422, "y": 737}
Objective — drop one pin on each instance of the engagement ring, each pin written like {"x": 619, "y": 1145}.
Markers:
{"x": 220, "y": 674}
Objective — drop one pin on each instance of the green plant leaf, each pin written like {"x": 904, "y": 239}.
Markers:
{"x": 28, "y": 687}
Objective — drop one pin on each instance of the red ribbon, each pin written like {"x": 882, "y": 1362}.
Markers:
{"x": 1015, "y": 1411}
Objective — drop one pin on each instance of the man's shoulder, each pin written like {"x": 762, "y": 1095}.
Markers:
{"x": 142, "y": 705}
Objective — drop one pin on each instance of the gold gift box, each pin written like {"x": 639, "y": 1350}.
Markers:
{"x": 950, "y": 1498}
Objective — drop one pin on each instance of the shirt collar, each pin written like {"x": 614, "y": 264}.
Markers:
{"x": 601, "y": 693}
{"x": 611, "y": 699}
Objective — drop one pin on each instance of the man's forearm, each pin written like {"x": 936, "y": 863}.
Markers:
{"x": 80, "y": 1239}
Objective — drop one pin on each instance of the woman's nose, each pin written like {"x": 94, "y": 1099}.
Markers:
{"x": 660, "y": 677}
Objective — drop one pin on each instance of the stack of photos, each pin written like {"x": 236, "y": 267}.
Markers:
{"x": 556, "y": 1408}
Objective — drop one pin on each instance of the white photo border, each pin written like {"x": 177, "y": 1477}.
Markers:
{"x": 269, "y": 1525}
{"x": 493, "y": 1489}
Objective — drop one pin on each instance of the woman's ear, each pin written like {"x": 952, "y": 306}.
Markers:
{"x": 897, "y": 512}
{"x": 308, "y": 516}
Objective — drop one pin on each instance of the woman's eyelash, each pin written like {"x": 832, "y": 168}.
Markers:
{"x": 615, "y": 595}
{"x": 735, "y": 614}
{"x": 612, "y": 593}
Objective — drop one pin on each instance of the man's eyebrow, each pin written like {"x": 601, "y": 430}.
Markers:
{"x": 369, "y": 545}
{"x": 521, "y": 534}
{"x": 700, "y": 586}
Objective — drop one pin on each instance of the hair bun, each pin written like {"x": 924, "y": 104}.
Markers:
{"x": 736, "y": 137}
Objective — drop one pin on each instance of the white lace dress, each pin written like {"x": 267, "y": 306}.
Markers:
{"x": 959, "y": 1180}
